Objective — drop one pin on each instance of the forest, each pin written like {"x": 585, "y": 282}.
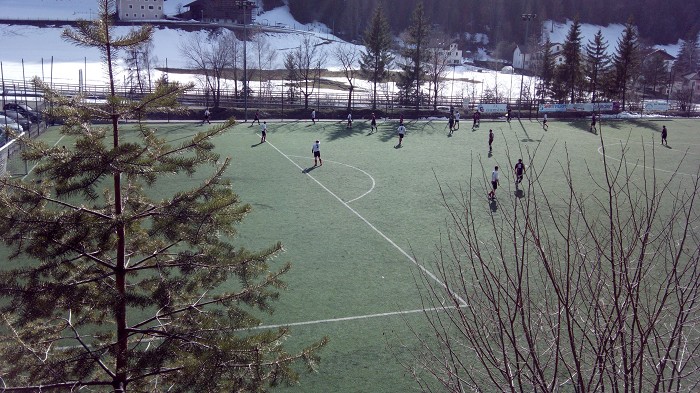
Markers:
{"x": 659, "y": 22}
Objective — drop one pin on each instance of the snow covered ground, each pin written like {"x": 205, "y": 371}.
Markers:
{"x": 35, "y": 47}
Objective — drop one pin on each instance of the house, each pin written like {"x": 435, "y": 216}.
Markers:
{"x": 219, "y": 11}
{"x": 453, "y": 55}
{"x": 531, "y": 60}
{"x": 652, "y": 54}
{"x": 131, "y": 10}
{"x": 690, "y": 82}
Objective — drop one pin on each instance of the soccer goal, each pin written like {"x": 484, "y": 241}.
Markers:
{"x": 11, "y": 162}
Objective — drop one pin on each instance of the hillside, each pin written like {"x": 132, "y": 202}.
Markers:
{"x": 660, "y": 22}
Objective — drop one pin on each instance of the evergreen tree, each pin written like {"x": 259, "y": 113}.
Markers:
{"x": 689, "y": 55}
{"x": 626, "y": 61}
{"x": 570, "y": 74}
{"x": 546, "y": 68}
{"x": 654, "y": 73}
{"x": 597, "y": 62}
{"x": 376, "y": 59}
{"x": 109, "y": 287}
{"x": 415, "y": 53}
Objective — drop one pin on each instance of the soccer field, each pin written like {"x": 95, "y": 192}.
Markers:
{"x": 359, "y": 229}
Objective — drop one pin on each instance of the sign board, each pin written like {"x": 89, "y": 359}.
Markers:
{"x": 656, "y": 106}
{"x": 552, "y": 107}
{"x": 493, "y": 108}
{"x": 579, "y": 107}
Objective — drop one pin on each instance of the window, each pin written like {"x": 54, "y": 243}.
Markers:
{"x": 158, "y": 8}
{"x": 127, "y": 15}
{"x": 131, "y": 6}
{"x": 150, "y": 7}
{"x": 143, "y": 7}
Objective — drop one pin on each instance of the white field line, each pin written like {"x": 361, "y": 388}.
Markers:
{"x": 401, "y": 250}
{"x": 353, "y": 318}
{"x": 355, "y": 168}
{"x": 600, "y": 151}
{"x": 305, "y": 323}
{"x": 30, "y": 171}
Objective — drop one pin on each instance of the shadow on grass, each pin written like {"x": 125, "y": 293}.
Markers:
{"x": 582, "y": 125}
{"x": 639, "y": 123}
{"x": 340, "y": 130}
{"x": 493, "y": 205}
{"x": 309, "y": 169}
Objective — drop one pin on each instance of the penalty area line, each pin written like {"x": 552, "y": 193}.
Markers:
{"x": 353, "y": 318}
{"x": 396, "y": 246}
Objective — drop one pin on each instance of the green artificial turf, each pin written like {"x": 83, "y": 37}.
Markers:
{"x": 358, "y": 228}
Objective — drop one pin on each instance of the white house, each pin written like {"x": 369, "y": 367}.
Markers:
{"x": 529, "y": 61}
{"x": 140, "y": 9}
{"x": 453, "y": 55}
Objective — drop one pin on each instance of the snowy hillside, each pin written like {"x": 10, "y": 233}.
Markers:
{"x": 557, "y": 33}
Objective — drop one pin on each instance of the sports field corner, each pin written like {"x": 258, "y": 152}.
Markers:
{"x": 359, "y": 229}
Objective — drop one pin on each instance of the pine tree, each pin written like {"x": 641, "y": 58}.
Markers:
{"x": 570, "y": 74}
{"x": 597, "y": 62}
{"x": 689, "y": 55}
{"x": 546, "y": 68}
{"x": 110, "y": 287}
{"x": 415, "y": 54}
{"x": 626, "y": 60}
{"x": 376, "y": 59}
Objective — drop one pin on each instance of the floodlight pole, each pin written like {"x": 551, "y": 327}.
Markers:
{"x": 245, "y": 5}
{"x": 527, "y": 18}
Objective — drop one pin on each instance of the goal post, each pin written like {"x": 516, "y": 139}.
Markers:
{"x": 11, "y": 161}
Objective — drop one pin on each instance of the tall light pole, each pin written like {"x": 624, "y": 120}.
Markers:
{"x": 527, "y": 18}
{"x": 245, "y": 5}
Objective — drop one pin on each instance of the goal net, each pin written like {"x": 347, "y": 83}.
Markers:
{"x": 11, "y": 162}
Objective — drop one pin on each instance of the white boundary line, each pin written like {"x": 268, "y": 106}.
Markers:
{"x": 600, "y": 151}
{"x": 401, "y": 250}
{"x": 31, "y": 170}
{"x": 349, "y": 166}
{"x": 355, "y": 318}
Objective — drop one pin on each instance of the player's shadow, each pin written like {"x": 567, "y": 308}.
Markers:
{"x": 257, "y": 144}
{"x": 397, "y": 146}
{"x": 309, "y": 169}
{"x": 519, "y": 193}
{"x": 493, "y": 205}
{"x": 527, "y": 136}
{"x": 340, "y": 130}
{"x": 490, "y": 153}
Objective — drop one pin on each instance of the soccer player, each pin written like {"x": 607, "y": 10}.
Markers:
{"x": 206, "y": 116}
{"x": 519, "y": 172}
{"x": 349, "y": 121}
{"x": 316, "y": 150}
{"x": 494, "y": 183}
{"x": 401, "y": 120}
{"x": 475, "y": 117}
{"x": 456, "y": 120}
{"x": 544, "y": 122}
{"x": 313, "y": 116}
{"x": 664, "y": 134}
{"x": 257, "y": 118}
{"x": 593, "y": 120}
{"x": 373, "y": 123}
{"x": 263, "y": 131}
{"x": 402, "y": 132}
{"x": 451, "y": 123}
{"x": 508, "y": 115}
{"x": 490, "y": 140}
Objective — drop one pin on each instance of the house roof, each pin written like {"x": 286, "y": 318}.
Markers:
{"x": 660, "y": 53}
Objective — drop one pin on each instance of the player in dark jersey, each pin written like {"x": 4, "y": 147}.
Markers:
{"x": 664, "y": 135}
{"x": 519, "y": 172}
{"x": 490, "y": 140}
{"x": 593, "y": 121}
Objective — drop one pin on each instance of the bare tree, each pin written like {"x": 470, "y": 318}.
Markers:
{"x": 593, "y": 289}
{"x": 437, "y": 64}
{"x": 264, "y": 56}
{"x": 211, "y": 54}
{"x": 140, "y": 62}
{"x": 303, "y": 66}
{"x": 349, "y": 57}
